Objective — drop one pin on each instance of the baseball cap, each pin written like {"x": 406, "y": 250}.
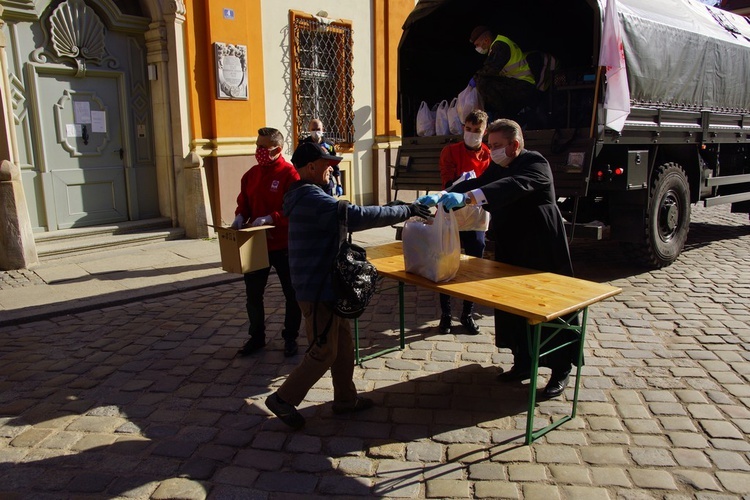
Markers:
{"x": 308, "y": 152}
{"x": 477, "y": 32}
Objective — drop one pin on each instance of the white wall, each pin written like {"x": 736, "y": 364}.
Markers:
{"x": 277, "y": 77}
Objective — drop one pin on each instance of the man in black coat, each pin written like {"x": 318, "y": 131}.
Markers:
{"x": 528, "y": 231}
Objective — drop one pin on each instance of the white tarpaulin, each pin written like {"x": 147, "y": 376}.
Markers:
{"x": 612, "y": 57}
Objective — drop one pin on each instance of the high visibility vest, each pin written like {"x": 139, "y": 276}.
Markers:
{"x": 517, "y": 66}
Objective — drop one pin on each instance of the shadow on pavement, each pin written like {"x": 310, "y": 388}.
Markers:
{"x": 119, "y": 402}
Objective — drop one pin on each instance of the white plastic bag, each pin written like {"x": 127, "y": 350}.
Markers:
{"x": 468, "y": 100}
{"x": 442, "y": 125}
{"x": 454, "y": 122}
{"x": 432, "y": 249}
{"x": 425, "y": 121}
{"x": 471, "y": 217}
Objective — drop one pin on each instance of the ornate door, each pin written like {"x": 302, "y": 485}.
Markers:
{"x": 81, "y": 147}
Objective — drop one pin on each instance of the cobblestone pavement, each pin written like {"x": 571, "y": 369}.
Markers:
{"x": 146, "y": 399}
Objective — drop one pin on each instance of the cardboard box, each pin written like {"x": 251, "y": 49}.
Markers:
{"x": 243, "y": 250}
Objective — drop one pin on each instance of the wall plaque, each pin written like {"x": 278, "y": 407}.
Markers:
{"x": 231, "y": 71}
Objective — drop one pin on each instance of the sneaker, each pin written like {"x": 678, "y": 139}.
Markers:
{"x": 445, "y": 324}
{"x": 359, "y": 404}
{"x": 252, "y": 346}
{"x": 287, "y": 413}
{"x": 471, "y": 326}
{"x": 290, "y": 348}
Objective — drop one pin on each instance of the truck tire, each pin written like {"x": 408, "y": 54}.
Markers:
{"x": 667, "y": 216}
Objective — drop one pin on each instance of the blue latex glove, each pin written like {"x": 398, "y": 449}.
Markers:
{"x": 453, "y": 200}
{"x": 472, "y": 83}
{"x": 429, "y": 200}
{"x": 339, "y": 190}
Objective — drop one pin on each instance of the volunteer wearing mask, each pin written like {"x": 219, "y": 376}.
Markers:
{"x": 528, "y": 230}
{"x": 455, "y": 160}
{"x": 259, "y": 203}
{"x": 505, "y": 80}
{"x": 317, "y": 133}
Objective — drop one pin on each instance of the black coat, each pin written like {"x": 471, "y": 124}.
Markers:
{"x": 527, "y": 226}
{"x": 528, "y": 231}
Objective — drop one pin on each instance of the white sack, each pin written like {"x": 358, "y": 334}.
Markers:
{"x": 442, "y": 126}
{"x": 432, "y": 250}
{"x": 454, "y": 121}
{"x": 425, "y": 121}
{"x": 471, "y": 217}
{"x": 468, "y": 100}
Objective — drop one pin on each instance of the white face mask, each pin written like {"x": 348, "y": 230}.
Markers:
{"x": 498, "y": 156}
{"x": 473, "y": 139}
{"x": 481, "y": 49}
{"x": 316, "y": 135}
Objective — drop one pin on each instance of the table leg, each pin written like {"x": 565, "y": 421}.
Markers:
{"x": 357, "y": 359}
{"x": 535, "y": 339}
{"x": 402, "y": 334}
{"x": 536, "y": 347}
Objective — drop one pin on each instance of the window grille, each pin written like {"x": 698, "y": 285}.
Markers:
{"x": 321, "y": 71}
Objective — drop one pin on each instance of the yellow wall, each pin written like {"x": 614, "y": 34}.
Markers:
{"x": 389, "y": 16}
{"x": 212, "y": 118}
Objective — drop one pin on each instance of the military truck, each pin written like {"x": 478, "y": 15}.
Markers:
{"x": 684, "y": 141}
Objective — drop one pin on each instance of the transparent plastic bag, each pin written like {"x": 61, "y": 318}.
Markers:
{"x": 442, "y": 125}
{"x": 454, "y": 122}
{"x": 468, "y": 100}
{"x": 425, "y": 121}
{"x": 432, "y": 248}
{"x": 471, "y": 217}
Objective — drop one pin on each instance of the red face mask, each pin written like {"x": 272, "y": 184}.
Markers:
{"x": 263, "y": 156}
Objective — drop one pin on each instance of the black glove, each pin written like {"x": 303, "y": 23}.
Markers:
{"x": 419, "y": 210}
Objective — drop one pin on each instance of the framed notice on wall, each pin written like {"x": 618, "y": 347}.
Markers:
{"x": 231, "y": 71}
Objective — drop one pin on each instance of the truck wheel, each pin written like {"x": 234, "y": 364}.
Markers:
{"x": 668, "y": 216}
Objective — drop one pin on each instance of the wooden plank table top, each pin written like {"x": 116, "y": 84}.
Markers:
{"x": 537, "y": 296}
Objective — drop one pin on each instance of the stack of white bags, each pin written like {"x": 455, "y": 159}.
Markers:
{"x": 446, "y": 118}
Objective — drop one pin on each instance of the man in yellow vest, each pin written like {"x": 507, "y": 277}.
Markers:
{"x": 505, "y": 81}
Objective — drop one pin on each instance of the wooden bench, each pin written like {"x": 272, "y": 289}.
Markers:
{"x": 417, "y": 164}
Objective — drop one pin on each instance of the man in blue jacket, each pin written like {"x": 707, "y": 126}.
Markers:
{"x": 313, "y": 245}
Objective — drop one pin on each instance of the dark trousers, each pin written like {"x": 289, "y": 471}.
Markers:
{"x": 511, "y": 333}
{"x": 504, "y": 97}
{"x": 473, "y": 244}
{"x": 255, "y": 288}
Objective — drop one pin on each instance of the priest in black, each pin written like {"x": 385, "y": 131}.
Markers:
{"x": 528, "y": 231}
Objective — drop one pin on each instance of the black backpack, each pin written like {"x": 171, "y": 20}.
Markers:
{"x": 354, "y": 278}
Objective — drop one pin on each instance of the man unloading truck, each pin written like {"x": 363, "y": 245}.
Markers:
{"x": 505, "y": 80}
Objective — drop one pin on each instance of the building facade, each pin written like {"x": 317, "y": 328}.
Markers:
{"x": 118, "y": 110}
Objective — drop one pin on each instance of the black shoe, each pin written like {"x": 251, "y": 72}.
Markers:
{"x": 557, "y": 384}
{"x": 515, "y": 374}
{"x": 471, "y": 326}
{"x": 290, "y": 348}
{"x": 286, "y": 412}
{"x": 251, "y": 346}
{"x": 445, "y": 323}
{"x": 359, "y": 404}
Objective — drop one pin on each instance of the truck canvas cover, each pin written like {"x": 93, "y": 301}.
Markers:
{"x": 680, "y": 54}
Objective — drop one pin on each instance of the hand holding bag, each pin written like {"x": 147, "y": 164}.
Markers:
{"x": 468, "y": 100}
{"x": 432, "y": 248}
{"x": 471, "y": 217}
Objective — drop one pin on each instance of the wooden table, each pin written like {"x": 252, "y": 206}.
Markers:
{"x": 544, "y": 299}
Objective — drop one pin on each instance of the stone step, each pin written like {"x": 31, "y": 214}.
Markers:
{"x": 66, "y": 242}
